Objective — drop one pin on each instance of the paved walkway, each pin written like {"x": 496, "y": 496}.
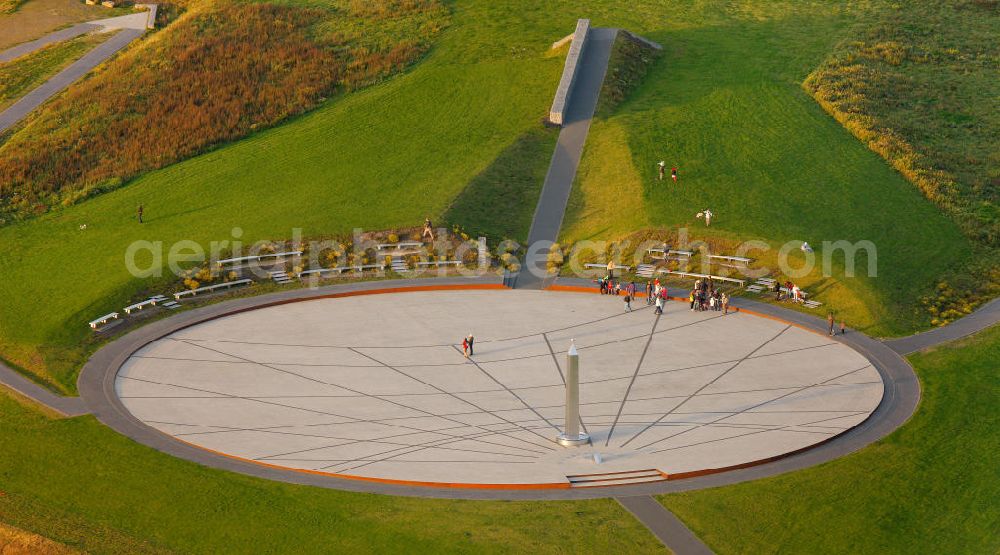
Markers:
{"x": 984, "y": 317}
{"x": 69, "y": 406}
{"x": 131, "y": 21}
{"x": 664, "y": 525}
{"x": 51, "y": 38}
{"x": 562, "y": 170}
{"x": 129, "y": 27}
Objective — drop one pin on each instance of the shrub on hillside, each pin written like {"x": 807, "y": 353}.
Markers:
{"x": 918, "y": 87}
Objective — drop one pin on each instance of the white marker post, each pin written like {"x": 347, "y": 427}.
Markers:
{"x": 573, "y": 437}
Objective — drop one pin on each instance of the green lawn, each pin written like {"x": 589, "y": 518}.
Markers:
{"x": 724, "y": 104}
{"x": 79, "y": 483}
{"x": 931, "y": 487}
{"x": 20, "y": 76}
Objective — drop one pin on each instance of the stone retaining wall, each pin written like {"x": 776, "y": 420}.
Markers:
{"x": 573, "y": 59}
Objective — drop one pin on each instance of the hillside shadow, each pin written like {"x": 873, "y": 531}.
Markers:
{"x": 500, "y": 201}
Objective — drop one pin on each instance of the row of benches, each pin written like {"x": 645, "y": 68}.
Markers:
{"x": 152, "y": 301}
{"x": 733, "y": 261}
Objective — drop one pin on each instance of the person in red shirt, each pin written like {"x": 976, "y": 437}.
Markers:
{"x": 465, "y": 347}
{"x": 673, "y": 174}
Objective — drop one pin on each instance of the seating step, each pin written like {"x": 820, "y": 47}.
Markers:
{"x": 280, "y": 277}
{"x": 171, "y": 305}
{"x": 615, "y": 478}
{"x": 399, "y": 265}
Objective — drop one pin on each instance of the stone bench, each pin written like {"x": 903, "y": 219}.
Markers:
{"x": 148, "y": 302}
{"x": 735, "y": 261}
{"x": 740, "y": 282}
{"x": 321, "y": 272}
{"x": 259, "y": 258}
{"x": 605, "y": 266}
{"x": 102, "y": 320}
{"x": 210, "y": 288}
{"x": 670, "y": 254}
{"x": 440, "y": 263}
{"x": 398, "y": 246}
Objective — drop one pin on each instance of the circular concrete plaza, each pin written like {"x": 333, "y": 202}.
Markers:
{"x": 376, "y": 387}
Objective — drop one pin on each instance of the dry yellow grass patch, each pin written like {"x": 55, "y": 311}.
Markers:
{"x": 14, "y": 541}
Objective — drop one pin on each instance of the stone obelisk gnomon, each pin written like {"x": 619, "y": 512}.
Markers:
{"x": 573, "y": 436}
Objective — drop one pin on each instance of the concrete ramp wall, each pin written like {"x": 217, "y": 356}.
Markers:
{"x": 558, "y": 111}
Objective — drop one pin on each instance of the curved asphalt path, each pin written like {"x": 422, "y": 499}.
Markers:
{"x": 982, "y": 318}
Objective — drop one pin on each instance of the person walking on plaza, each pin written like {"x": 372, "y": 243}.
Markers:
{"x": 465, "y": 347}
{"x": 630, "y": 289}
{"x": 662, "y": 167}
{"x": 139, "y": 212}
{"x": 725, "y": 304}
{"x": 829, "y": 320}
{"x": 628, "y": 303}
{"x": 470, "y": 341}
{"x": 659, "y": 305}
{"x": 649, "y": 293}
{"x": 691, "y": 298}
{"x": 428, "y": 229}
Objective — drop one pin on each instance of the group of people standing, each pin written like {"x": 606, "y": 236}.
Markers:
{"x": 704, "y": 296}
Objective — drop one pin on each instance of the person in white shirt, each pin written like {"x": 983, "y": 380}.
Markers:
{"x": 708, "y": 217}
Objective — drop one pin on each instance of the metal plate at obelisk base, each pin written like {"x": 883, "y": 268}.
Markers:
{"x": 573, "y": 437}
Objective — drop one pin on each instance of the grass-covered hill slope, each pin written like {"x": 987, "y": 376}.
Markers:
{"x": 920, "y": 85}
{"x": 220, "y": 71}
{"x": 725, "y": 104}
